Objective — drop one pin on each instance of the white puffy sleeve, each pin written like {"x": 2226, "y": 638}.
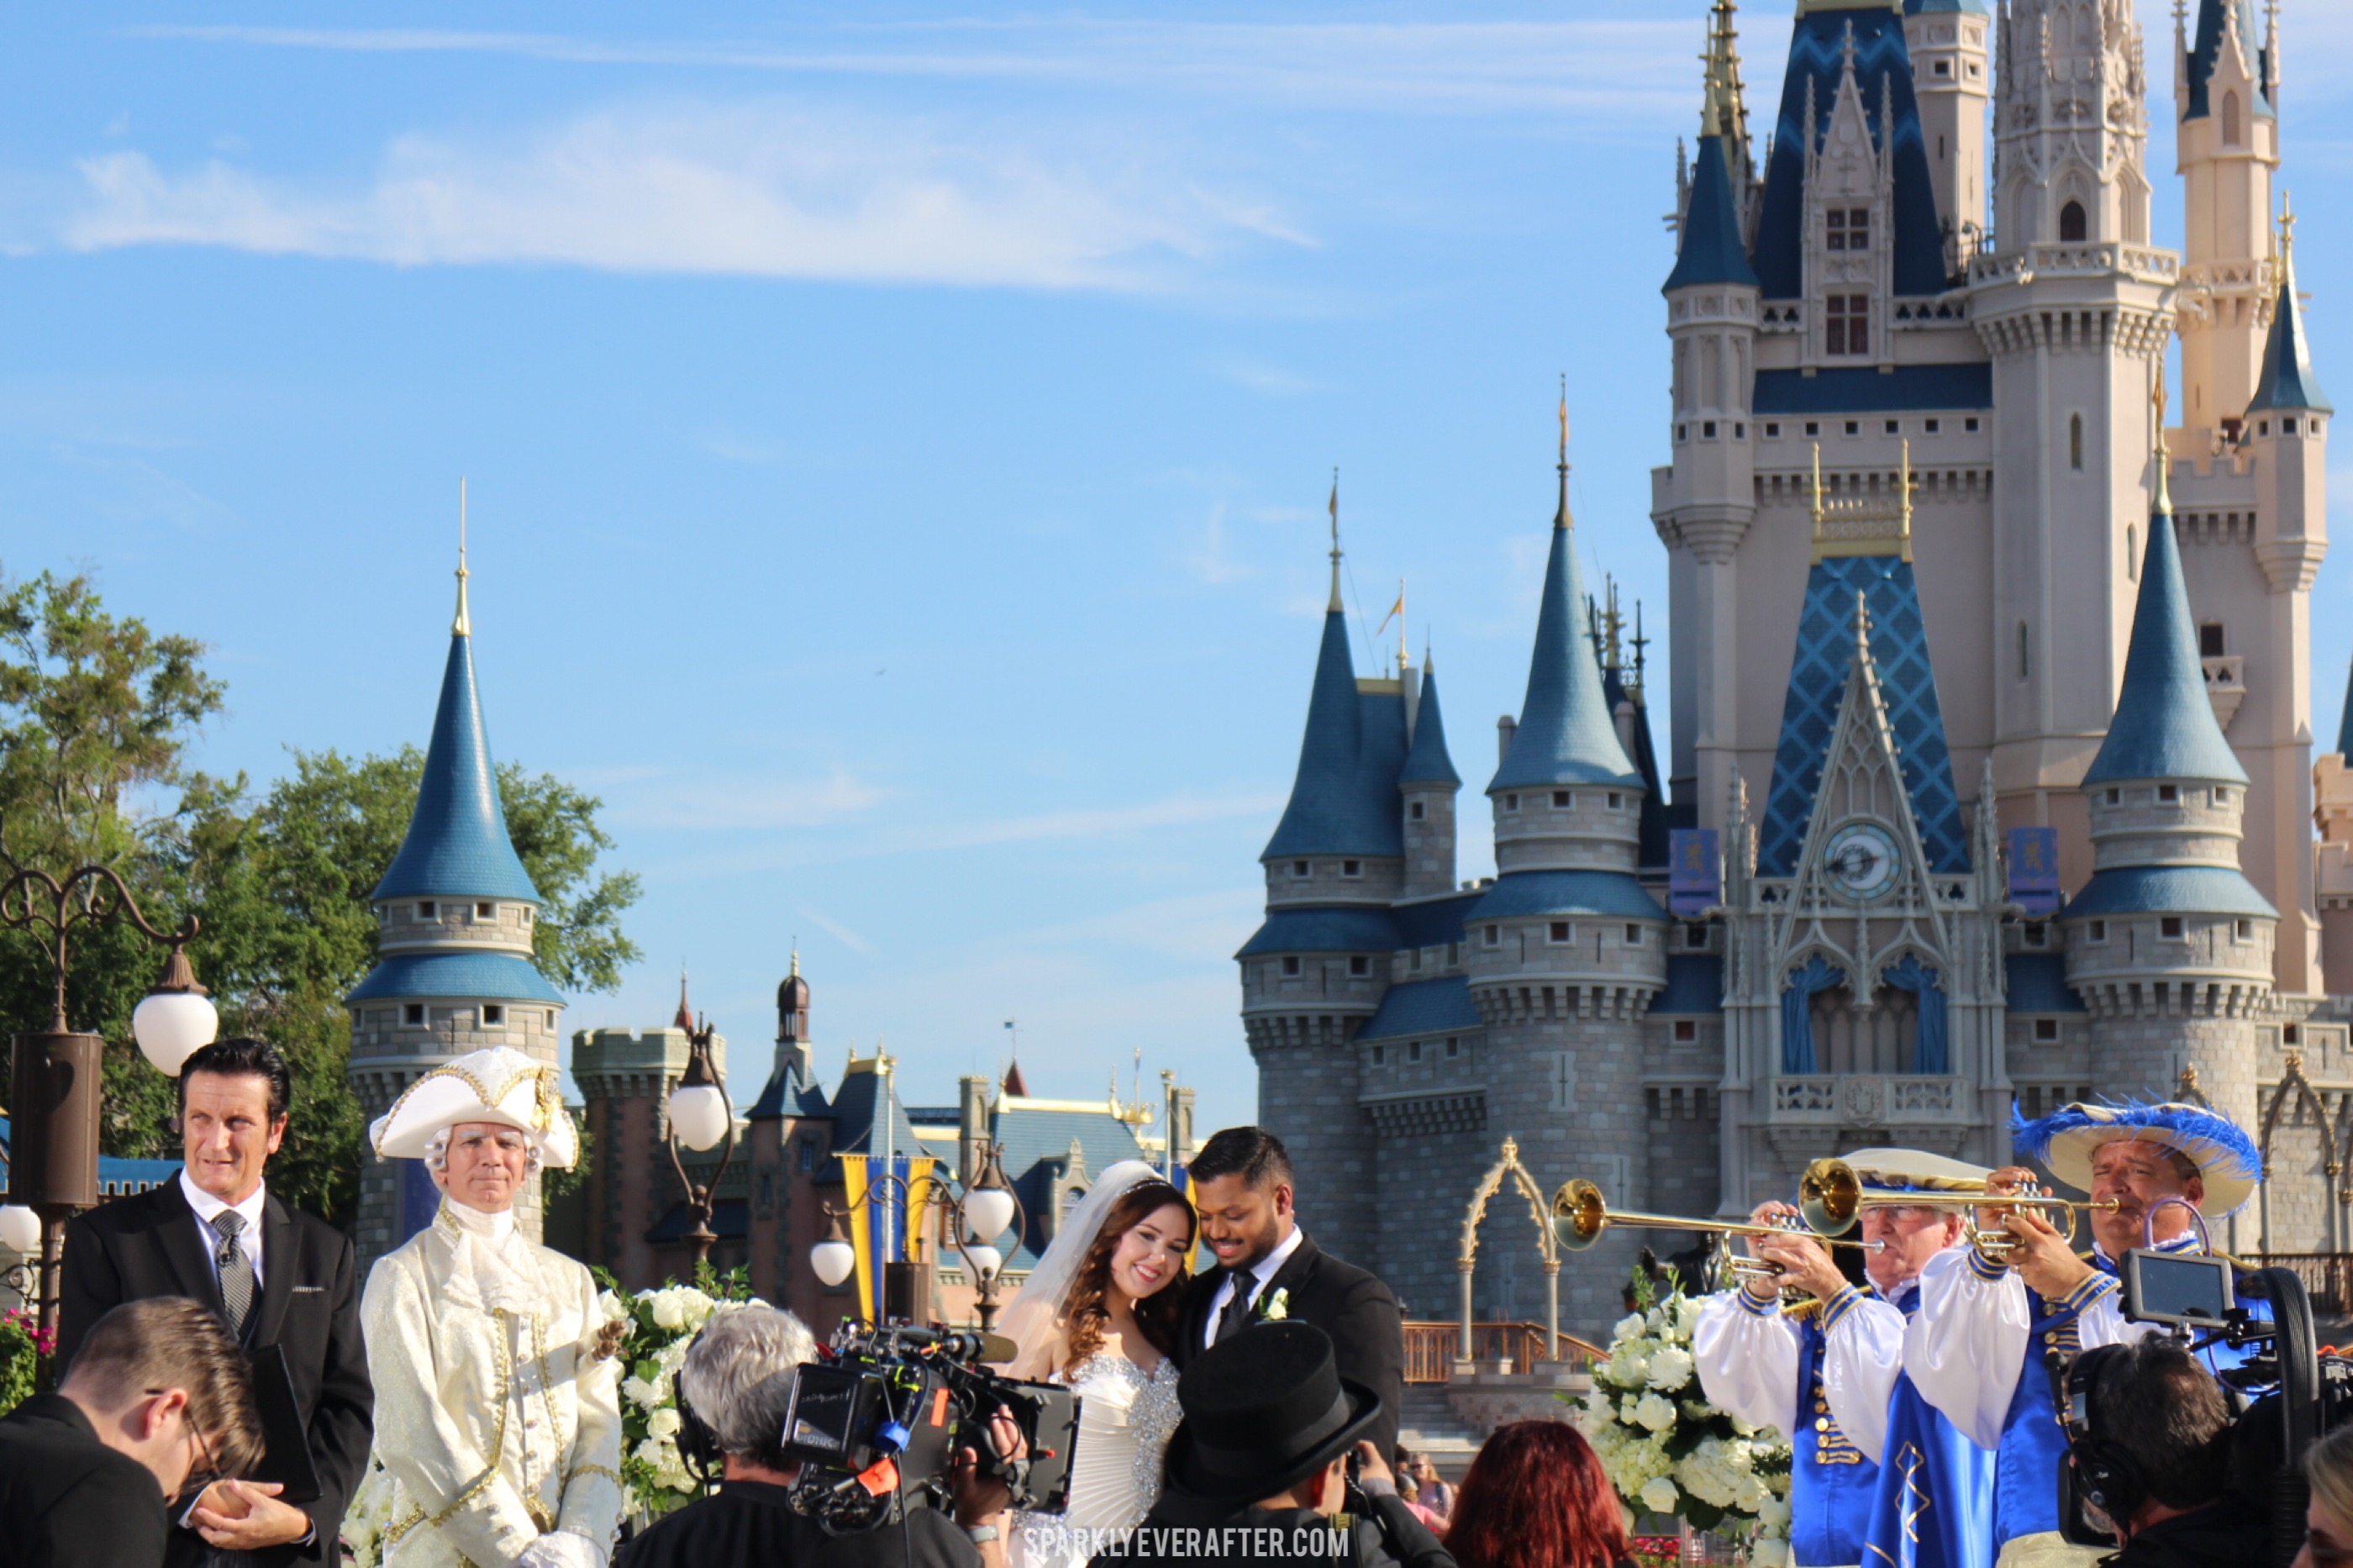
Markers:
{"x": 1747, "y": 1354}
{"x": 1862, "y": 1355}
{"x": 1968, "y": 1340}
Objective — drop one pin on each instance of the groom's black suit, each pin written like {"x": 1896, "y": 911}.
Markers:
{"x": 1347, "y": 1303}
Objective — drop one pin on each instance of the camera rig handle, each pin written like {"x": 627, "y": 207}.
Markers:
{"x": 2295, "y": 1346}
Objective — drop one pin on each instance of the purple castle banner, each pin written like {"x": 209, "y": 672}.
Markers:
{"x": 2035, "y": 869}
{"x": 1693, "y": 885}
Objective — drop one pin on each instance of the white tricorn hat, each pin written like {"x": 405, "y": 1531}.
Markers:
{"x": 1916, "y": 1170}
{"x": 500, "y": 1085}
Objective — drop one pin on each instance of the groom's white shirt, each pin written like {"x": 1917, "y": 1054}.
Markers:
{"x": 1261, "y": 1272}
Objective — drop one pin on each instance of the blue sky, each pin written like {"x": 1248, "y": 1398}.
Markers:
{"x": 898, "y": 436}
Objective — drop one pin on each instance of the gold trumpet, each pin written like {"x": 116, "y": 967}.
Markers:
{"x": 1579, "y": 1215}
{"x": 1833, "y": 1197}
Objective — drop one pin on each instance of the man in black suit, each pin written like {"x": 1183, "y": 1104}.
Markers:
{"x": 158, "y": 1403}
{"x": 1270, "y": 1270}
{"x": 276, "y": 1278}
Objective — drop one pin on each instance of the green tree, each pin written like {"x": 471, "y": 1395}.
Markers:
{"x": 95, "y": 717}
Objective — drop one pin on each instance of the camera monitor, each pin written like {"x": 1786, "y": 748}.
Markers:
{"x": 2177, "y": 1287}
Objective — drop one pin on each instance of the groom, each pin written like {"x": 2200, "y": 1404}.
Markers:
{"x": 1270, "y": 1270}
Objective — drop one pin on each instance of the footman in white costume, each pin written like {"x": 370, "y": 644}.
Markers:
{"x": 496, "y": 1416}
{"x": 1825, "y": 1375}
{"x": 1977, "y": 1347}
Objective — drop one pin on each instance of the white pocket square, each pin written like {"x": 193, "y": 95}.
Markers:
{"x": 308, "y": 1289}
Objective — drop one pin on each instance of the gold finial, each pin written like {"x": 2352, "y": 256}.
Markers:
{"x": 2287, "y": 228}
{"x": 796, "y": 959}
{"x": 1334, "y": 510}
{"x": 463, "y": 625}
{"x": 2157, "y": 452}
{"x": 1400, "y": 620}
{"x": 1560, "y": 518}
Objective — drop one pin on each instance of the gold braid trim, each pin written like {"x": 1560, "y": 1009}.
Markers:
{"x": 545, "y": 1097}
{"x": 393, "y": 1532}
{"x": 608, "y": 1472}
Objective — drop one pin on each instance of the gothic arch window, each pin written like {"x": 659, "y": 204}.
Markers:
{"x": 2025, "y": 665}
{"x": 2070, "y": 221}
{"x": 1881, "y": 1039}
{"x": 2132, "y": 553}
{"x": 2230, "y": 127}
{"x": 2075, "y": 442}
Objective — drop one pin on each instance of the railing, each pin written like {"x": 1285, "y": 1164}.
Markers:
{"x": 2327, "y": 1276}
{"x": 1863, "y": 1100}
{"x": 1432, "y": 1349}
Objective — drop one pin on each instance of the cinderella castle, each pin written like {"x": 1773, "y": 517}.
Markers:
{"x": 1991, "y": 778}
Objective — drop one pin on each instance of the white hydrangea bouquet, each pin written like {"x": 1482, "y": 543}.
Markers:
{"x": 1670, "y": 1452}
{"x": 660, "y": 1324}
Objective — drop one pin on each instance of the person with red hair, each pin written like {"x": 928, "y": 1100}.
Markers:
{"x": 1537, "y": 1498}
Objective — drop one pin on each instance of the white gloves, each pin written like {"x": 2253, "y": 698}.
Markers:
{"x": 562, "y": 1549}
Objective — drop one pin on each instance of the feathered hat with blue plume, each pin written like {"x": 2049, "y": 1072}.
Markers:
{"x": 2227, "y": 1160}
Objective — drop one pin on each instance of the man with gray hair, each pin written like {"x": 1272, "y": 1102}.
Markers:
{"x": 736, "y": 1380}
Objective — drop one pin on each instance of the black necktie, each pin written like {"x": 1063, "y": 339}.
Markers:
{"x": 235, "y": 1270}
{"x": 1237, "y": 1312}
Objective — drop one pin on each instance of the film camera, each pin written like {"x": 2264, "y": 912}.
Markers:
{"x": 2283, "y": 1394}
{"x": 876, "y": 1426}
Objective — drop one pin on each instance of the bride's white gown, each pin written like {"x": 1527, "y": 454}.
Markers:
{"x": 1126, "y": 1418}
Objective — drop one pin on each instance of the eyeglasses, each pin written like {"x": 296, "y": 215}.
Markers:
{"x": 198, "y": 1479}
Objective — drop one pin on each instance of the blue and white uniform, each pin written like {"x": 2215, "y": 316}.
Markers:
{"x": 1823, "y": 1378}
{"x": 1933, "y": 1508}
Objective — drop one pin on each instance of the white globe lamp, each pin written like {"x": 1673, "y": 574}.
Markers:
{"x": 699, "y": 1115}
{"x": 988, "y": 1213}
{"x": 20, "y": 1230}
{"x": 984, "y": 1260}
{"x": 176, "y": 1019}
{"x": 834, "y": 1260}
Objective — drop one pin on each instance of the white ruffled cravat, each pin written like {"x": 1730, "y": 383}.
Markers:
{"x": 493, "y": 1262}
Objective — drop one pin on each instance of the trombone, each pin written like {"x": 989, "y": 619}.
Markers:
{"x": 1833, "y": 1197}
{"x": 1579, "y": 1215}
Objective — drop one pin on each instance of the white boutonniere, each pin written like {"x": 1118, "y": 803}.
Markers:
{"x": 1275, "y": 1308}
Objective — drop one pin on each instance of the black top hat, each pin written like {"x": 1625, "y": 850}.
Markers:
{"x": 1264, "y": 1411}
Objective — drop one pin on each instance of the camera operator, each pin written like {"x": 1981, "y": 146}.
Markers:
{"x": 2154, "y": 1462}
{"x": 738, "y": 1379}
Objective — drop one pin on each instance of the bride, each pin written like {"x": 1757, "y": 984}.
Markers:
{"x": 1100, "y": 1314}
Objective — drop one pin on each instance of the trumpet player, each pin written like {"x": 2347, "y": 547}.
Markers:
{"x": 1976, "y": 1346}
{"x": 1827, "y": 1374}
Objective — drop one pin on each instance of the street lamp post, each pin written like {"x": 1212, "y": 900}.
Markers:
{"x": 701, "y": 1117}
{"x": 55, "y": 1093}
{"x": 985, "y": 1211}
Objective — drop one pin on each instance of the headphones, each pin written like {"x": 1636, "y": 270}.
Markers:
{"x": 2102, "y": 1473}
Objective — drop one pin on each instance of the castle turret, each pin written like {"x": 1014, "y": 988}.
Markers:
{"x": 2227, "y": 149}
{"x": 2168, "y": 944}
{"x": 1429, "y": 784}
{"x": 1946, "y": 41}
{"x": 456, "y": 913}
{"x": 1566, "y": 951}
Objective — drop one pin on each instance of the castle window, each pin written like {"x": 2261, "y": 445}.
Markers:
{"x": 1969, "y": 425}
{"x": 2169, "y": 926}
{"x": 2071, "y": 223}
{"x": 413, "y": 1014}
{"x": 1707, "y": 429}
{"x": 1633, "y": 936}
{"x": 1894, "y": 427}
{"x": 551, "y": 1017}
{"x": 2035, "y": 933}
{"x": 1380, "y": 1056}
{"x": 1932, "y": 425}
{"x": 1739, "y": 431}
{"x": 526, "y": 914}
{"x": 1414, "y": 961}
{"x": 2263, "y": 426}
{"x": 1617, "y": 801}
{"x": 2046, "y": 1031}
{"x": 1854, "y": 427}
{"x": 1686, "y": 1031}
{"x": 1359, "y": 966}
{"x": 1561, "y": 797}
{"x": 2288, "y": 424}
{"x": 1453, "y": 1048}
{"x": 1561, "y": 931}
{"x": 1413, "y": 1052}
{"x": 1683, "y": 432}
{"x": 1696, "y": 938}
{"x": 1493, "y": 936}
{"x": 2116, "y": 797}
{"x": 2168, "y": 794}
{"x": 2230, "y": 127}
{"x": 807, "y": 1159}
{"x": 1291, "y": 964}
{"x": 2290, "y": 1033}
{"x": 1813, "y": 427}
{"x": 2096, "y": 931}
{"x": 1849, "y": 228}
{"x": 493, "y": 1013}
{"x": 1352, "y": 867}
{"x": 486, "y": 911}
{"x": 425, "y": 910}
{"x": 1944, "y": 67}
{"x": 1299, "y": 869}
{"x": 2246, "y": 931}
{"x": 2221, "y": 795}
{"x": 1511, "y": 803}
{"x": 1772, "y": 430}
{"x": 2210, "y": 640}
{"x": 1848, "y": 324}
{"x": 2075, "y": 442}
{"x": 2025, "y": 660}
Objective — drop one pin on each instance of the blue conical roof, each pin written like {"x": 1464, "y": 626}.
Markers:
{"x": 2286, "y": 380}
{"x": 2206, "y": 49}
{"x": 2164, "y": 726}
{"x": 1428, "y": 762}
{"x": 1567, "y": 735}
{"x": 1710, "y": 250}
{"x": 1344, "y": 797}
{"x": 456, "y": 844}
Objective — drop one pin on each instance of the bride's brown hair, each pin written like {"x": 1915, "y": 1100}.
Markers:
{"x": 1157, "y": 1314}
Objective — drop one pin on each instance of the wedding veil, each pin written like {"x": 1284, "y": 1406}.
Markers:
{"x": 1033, "y": 1319}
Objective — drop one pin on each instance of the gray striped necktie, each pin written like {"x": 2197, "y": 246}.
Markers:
{"x": 235, "y": 1270}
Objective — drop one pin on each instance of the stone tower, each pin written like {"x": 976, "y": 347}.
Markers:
{"x": 2227, "y": 150}
{"x": 1566, "y": 951}
{"x": 456, "y": 913}
{"x": 1429, "y": 783}
{"x": 2168, "y": 944}
{"x": 1946, "y": 40}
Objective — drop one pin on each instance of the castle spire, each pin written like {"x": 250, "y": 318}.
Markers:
{"x": 1708, "y": 247}
{"x": 1428, "y": 762}
{"x": 2286, "y": 381}
{"x": 685, "y": 1016}
{"x": 463, "y": 624}
{"x": 1334, "y": 509}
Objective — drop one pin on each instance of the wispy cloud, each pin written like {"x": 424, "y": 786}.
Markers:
{"x": 1272, "y": 380}
{"x": 835, "y": 930}
{"x": 733, "y": 803}
{"x": 1588, "y": 67}
{"x": 768, "y": 189}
